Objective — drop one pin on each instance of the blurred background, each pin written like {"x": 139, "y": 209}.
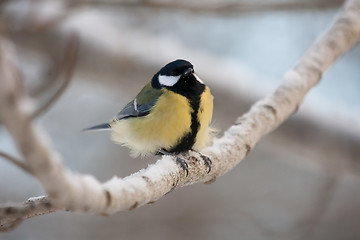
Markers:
{"x": 300, "y": 182}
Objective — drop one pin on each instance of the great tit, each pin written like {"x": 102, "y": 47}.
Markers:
{"x": 170, "y": 115}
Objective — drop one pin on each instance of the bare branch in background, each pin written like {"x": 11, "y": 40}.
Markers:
{"x": 218, "y": 8}
{"x": 15, "y": 161}
{"x": 67, "y": 68}
{"x": 83, "y": 193}
{"x": 323, "y": 203}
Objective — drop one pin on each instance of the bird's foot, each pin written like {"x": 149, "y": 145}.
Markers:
{"x": 183, "y": 165}
{"x": 206, "y": 159}
{"x": 179, "y": 160}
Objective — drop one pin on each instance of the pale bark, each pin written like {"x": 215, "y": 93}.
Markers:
{"x": 83, "y": 193}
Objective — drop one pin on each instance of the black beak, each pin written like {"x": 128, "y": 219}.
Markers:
{"x": 188, "y": 72}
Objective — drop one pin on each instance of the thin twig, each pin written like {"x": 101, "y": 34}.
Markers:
{"x": 16, "y": 161}
{"x": 67, "y": 66}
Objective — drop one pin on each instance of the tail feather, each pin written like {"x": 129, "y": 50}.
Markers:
{"x": 103, "y": 126}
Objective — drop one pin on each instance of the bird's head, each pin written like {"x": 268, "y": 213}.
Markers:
{"x": 178, "y": 76}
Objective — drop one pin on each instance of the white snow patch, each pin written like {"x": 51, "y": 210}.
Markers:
{"x": 36, "y": 198}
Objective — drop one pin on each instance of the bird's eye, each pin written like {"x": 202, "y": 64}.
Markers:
{"x": 188, "y": 72}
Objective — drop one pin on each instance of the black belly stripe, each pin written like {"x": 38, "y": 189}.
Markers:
{"x": 192, "y": 89}
{"x": 187, "y": 141}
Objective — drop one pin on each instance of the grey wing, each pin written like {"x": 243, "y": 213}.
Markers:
{"x": 132, "y": 109}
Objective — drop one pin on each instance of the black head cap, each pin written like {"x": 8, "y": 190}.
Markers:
{"x": 179, "y": 77}
{"x": 176, "y": 68}
{"x": 171, "y": 73}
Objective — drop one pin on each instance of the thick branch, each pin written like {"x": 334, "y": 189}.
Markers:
{"x": 84, "y": 193}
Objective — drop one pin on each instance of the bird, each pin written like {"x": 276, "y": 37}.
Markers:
{"x": 170, "y": 115}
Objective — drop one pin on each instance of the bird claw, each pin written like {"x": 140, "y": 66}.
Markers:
{"x": 207, "y": 161}
{"x": 183, "y": 165}
{"x": 179, "y": 161}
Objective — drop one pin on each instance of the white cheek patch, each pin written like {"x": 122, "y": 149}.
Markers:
{"x": 135, "y": 105}
{"x": 198, "y": 79}
{"x": 168, "y": 80}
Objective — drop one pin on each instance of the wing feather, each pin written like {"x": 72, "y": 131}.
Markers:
{"x": 141, "y": 105}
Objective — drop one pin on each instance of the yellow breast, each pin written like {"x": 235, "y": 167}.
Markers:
{"x": 163, "y": 127}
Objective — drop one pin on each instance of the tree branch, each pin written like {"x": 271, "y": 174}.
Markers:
{"x": 15, "y": 213}
{"x": 67, "y": 66}
{"x": 217, "y": 8}
{"x": 77, "y": 192}
{"x": 15, "y": 161}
